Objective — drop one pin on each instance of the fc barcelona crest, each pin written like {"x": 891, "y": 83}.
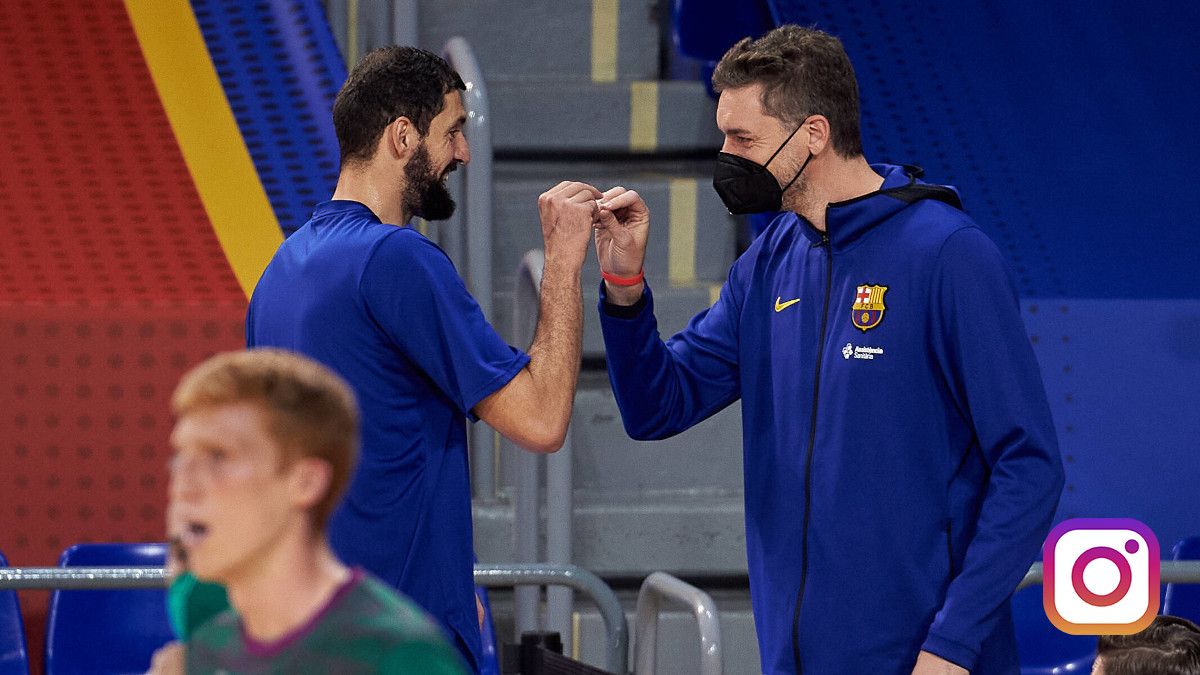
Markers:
{"x": 868, "y": 307}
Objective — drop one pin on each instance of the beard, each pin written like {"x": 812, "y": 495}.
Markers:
{"x": 425, "y": 192}
{"x": 797, "y": 196}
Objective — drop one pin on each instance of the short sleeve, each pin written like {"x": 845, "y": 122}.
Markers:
{"x": 416, "y": 297}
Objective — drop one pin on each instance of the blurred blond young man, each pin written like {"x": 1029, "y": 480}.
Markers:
{"x": 264, "y": 444}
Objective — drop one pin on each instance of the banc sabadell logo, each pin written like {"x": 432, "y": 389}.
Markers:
{"x": 1101, "y": 576}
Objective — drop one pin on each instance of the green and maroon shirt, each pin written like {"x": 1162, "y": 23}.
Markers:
{"x": 364, "y": 628}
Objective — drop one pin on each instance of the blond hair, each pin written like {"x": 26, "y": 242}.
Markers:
{"x": 311, "y": 412}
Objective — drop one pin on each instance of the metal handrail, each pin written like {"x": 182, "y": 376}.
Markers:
{"x": 80, "y": 578}
{"x": 1170, "y": 572}
{"x": 476, "y": 229}
{"x": 616, "y": 651}
{"x": 616, "y": 646}
{"x": 559, "y": 492}
{"x": 655, "y": 588}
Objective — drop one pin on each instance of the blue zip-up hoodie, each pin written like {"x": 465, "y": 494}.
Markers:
{"x": 901, "y": 467}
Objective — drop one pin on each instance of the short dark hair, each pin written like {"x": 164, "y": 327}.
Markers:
{"x": 1168, "y": 646}
{"x": 389, "y": 83}
{"x": 803, "y": 72}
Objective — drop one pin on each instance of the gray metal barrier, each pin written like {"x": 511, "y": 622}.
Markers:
{"x": 472, "y": 231}
{"x": 559, "y": 492}
{"x": 80, "y": 578}
{"x": 616, "y": 645}
{"x": 616, "y": 648}
{"x": 655, "y": 588}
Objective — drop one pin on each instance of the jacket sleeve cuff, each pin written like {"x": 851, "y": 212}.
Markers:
{"x": 954, "y": 652}
{"x": 623, "y": 311}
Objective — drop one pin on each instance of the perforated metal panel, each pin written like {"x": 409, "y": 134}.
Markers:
{"x": 1027, "y": 108}
{"x": 112, "y": 283}
{"x": 281, "y": 70}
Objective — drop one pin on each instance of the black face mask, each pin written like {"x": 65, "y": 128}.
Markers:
{"x": 747, "y": 187}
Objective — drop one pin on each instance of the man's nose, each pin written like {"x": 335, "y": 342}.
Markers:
{"x": 462, "y": 150}
{"x": 184, "y": 478}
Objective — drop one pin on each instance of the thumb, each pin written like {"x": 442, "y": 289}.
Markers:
{"x": 607, "y": 219}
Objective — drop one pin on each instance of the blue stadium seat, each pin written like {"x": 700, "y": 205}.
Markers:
{"x": 706, "y": 29}
{"x": 14, "y": 660}
{"x": 107, "y": 631}
{"x": 1044, "y": 649}
{"x": 1183, "y": 600}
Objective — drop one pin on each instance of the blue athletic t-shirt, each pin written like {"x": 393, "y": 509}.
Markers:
{"x": 384, "y": 307}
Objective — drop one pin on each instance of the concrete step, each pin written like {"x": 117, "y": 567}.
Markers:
{"x": 693, "y": 533}
{"x": 585, "y": 40}
{"x": 707, "y": 457}
{"x": 674, "y": 307}
{"x": 622, "y": 117}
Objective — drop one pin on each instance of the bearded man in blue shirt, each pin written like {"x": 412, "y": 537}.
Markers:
{"x": 901, "y": 467}
{"x": 384, "y": 308}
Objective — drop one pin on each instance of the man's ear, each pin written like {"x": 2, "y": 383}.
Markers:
{"x": 400, "y": 138}
{"x": 309, "y": 481}
{"x": 817, "y": 127}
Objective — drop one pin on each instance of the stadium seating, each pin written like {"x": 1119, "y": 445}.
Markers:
{"x": 109, "y": 631}
{"x": 13, "y": 658}
{"x": 1044, "y": 649}
{"x": 1183, "y": 600}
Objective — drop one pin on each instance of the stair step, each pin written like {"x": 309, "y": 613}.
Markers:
{"x": 601, "y": 40}
{"x": 706, "y": 457}
{"x": 689, "y": 533}
{"x": 673, "y": 307}
{"x": 621, "y": 117}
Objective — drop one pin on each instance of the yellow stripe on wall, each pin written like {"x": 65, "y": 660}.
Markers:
{"x": 714, "y": 294}
{"x": 604, "y": 40}
{"x": 682, "y": 241}
{"x": 643, "y": 116}
{"x": 208, "y": 135}
{"x": 351, "y": 33}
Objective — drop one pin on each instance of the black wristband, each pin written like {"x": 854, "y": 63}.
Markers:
{"x": 626, "y": 311}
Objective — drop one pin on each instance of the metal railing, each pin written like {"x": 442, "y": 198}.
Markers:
{"x": 559, "y": 491}
{"x": 616, "y": 646}
{"x": 657, "y": 587}
{"x": 80, "y": 578}
{"x": 469, "y": 234}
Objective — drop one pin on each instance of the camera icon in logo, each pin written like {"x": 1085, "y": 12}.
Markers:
{"x": 1101, "y": 576}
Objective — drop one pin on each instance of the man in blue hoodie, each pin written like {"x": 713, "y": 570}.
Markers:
{"x": 901, "y": 468}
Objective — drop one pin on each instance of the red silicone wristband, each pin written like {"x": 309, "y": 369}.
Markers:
{"x": 624, "y": 281}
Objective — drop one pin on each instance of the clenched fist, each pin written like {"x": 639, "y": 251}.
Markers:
{"x": 568, "y": 211}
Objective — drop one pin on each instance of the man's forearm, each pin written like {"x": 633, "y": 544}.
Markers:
{"x": 555, "y": 352}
